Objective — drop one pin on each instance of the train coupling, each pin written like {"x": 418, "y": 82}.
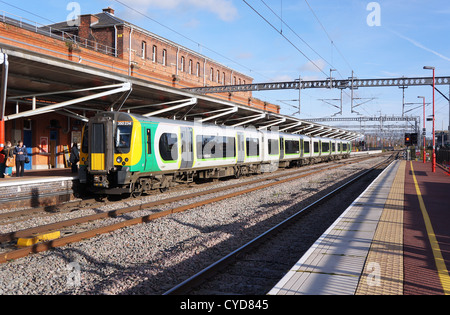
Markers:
{"x": 101, "y": 181}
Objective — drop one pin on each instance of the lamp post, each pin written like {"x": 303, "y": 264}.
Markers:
{"x": 433, "y": 158}
{"x": 424, "y": 139}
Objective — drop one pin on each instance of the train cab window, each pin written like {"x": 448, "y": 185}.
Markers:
{"x": 344, "y": 147}
{"x": 123, "y": 139}
{"x": 168, "y": 146}
{"x": 273, "y": 146}
{"x": 292, "y": 146}
{"x": 252, "y": 147}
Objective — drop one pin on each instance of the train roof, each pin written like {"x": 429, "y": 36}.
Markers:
{"x": 187, "y": 123}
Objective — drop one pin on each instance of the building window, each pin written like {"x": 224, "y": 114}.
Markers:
{"x": 224, "y": 82}
{"x": 144, "y": 49}
{"x": 197, "y": 71}
{"x": 182, "y": 64}
{"x": 211, "y": 75}
{"x": 164, "y": 57}
{"x": 234, "y": 80}
{"x": 190, "y": 66}
{"x": 154, "y": 53}
{"x": 218, "y": 76}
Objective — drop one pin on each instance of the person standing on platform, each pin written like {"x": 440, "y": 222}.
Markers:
{"x": 9, "y": 159}
{"x": 20, "y": 151}
{"x": 2, "y": 164}
{"x": 74, "y": 157}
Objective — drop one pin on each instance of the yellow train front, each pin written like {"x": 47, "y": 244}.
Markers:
{"x": 107, "y": 161}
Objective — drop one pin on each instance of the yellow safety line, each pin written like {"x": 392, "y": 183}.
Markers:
{"x": 439, "y": 260}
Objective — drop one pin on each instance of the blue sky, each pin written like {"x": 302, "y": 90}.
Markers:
{"x": 413, "y": 33}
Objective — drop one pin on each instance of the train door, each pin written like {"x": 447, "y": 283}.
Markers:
{"x": 187, "y": 147}
{"x": 301, "y": 147}
{"x": 281, "y": 148}
{"x": 240, "y": 147}
{"x": 148, "y": 149}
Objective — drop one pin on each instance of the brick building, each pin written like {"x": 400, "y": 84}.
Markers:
{"x": 157, "y": 58}
{"x": 105, "y": 42}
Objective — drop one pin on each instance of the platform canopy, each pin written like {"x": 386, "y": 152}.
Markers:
{"x": 39, "y": 84}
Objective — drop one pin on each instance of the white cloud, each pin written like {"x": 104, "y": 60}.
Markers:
{"x": 314, "y": 66}
{"x": 224, "y": 9}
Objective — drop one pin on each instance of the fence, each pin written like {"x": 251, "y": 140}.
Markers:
{"x": 55, "y": 33}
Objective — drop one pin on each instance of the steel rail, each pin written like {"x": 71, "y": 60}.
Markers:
{"x": 41, "y": 247}
{"x": 200, "y": 277}
{"x": 54, "y": 209}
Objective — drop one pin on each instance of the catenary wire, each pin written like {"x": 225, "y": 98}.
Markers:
{"x": 289, "y": 41}
{"x": 191, "y": 40}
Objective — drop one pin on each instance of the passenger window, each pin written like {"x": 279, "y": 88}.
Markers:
{"x": 273, "y": 146}
{"x": 306, "y": 147}
{"x": 252, "y": 147}
{"x": 168, "y": 147}
{"x": 292, "y": 146}
{"x": 149, "y": 141}
{"x": 316, "y": 147}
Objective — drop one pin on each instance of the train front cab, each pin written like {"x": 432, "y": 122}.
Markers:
{"x": 106, "y": 155}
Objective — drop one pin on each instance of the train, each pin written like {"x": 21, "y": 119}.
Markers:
{"x": 123, "y": 153}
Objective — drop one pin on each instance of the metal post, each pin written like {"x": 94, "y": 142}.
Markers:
{"x": 433, "y": 165}
{"x": 300, "y": 96}
{"x": 433, "y": 156}
{"x": 424, "y": 119}
{"x": 3, "y": 91}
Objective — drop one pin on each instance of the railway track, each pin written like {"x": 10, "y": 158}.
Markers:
{"x": 14, "y": 216}
{"x": 255, "y": 267}
{"x": 67, "y": 226}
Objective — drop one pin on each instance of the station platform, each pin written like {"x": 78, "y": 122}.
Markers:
{"x": 38, "y": 188}
{"x": 393, "y": 240}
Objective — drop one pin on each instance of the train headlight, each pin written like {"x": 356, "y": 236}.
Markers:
{"x": 119, "y": 159}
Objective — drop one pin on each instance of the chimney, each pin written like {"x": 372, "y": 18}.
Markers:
{"x": 109, "y": 10}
